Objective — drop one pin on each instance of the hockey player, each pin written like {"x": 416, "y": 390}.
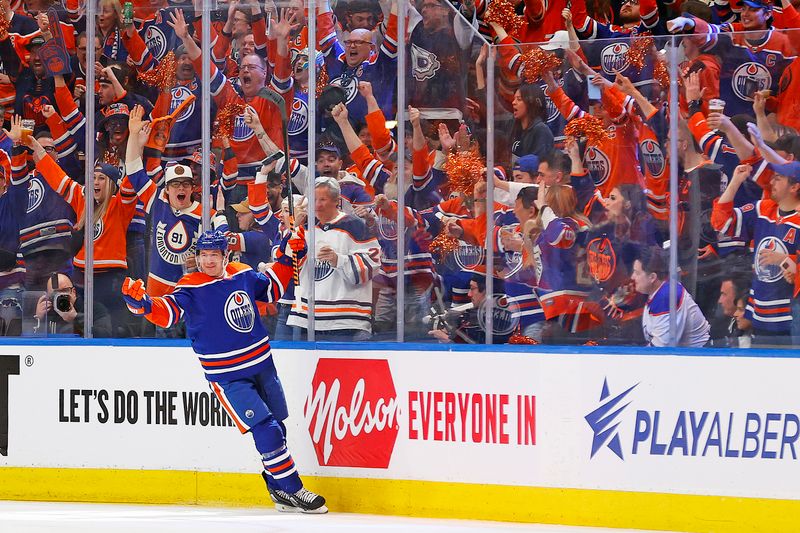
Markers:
{"x": 235, "y": 354}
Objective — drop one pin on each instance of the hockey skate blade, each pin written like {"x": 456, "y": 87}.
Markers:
{"x": 283, "y": 508}
{"x": 320, "y": 510}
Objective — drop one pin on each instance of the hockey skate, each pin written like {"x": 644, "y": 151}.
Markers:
{"x": 302, "y": 501}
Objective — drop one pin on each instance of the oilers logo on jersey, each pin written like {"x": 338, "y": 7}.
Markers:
{"x": 505, "y": 315}
{"x": 749, "y": 78}
{"x": 468, "y": 256}
{"x": 322, "y": 270}
{"x": 35, "y": 193}
{"x": 156, "y": 41}
{"x": 349, "y": 85}
{"x": 653, "y": 158}
{"x": 598, "y": 165}
{"x": 424, "y": 63}
{"x": 764, "y": 272}
{"x": 175, "y": 244}
{"x": 241, "y": 131}
{"x": 513, "y": 263}
{"x": 601, "y": 259}
{"x": 298, "y": 122}
{"x": 239, "y": 312}
{"x": 387, "y": 228}
{"x": 614, "y": 58}
{"x": 98, "y": 229}
{"x": 179, "y": 94}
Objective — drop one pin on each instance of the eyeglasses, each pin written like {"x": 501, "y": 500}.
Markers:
{"x": 245, "y": 68}
{"x": 631, "y": 2}
{"x": 356, "y": 43}
{"x": 49, "y": 149}
{"x": 177, "y": 184}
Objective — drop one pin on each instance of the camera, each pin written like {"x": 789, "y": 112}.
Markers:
{"x": 61, "y": 302}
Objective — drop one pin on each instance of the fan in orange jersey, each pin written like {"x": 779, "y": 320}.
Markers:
{"x": 113, "y": 212}
{"x": 614, "y": 161}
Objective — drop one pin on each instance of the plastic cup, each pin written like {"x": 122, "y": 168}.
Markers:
{"x": 715, "y": 105}
{"x": 27, "y": 129}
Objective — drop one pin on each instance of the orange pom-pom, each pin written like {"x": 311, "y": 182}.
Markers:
{"x": 519, "y": 338}
{"x": 661, "y": 74}
{"x": 444, "y": 244}
{"x": 5, "y": 23}
{"x": 463, "y": 170}
{"x": 226, "y": 118}
{"x": 587, "y": 126}
{"x": 502, "y": 12}
{"x": 111, "y": 156}
{"x": 322, "y": 80}
{"x": 638, "y": 51}
{"x": 164, "y": 76}
{"x": 537, "y": 62}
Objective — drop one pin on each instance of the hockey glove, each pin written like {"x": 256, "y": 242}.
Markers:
{"x": 138, "y": 301}
{"x": 293, "y": 244}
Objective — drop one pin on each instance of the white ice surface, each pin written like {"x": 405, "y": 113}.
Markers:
{"x": 40, "y": 517}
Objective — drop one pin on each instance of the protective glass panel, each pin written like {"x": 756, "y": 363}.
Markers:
{"x": 586, "y": 194}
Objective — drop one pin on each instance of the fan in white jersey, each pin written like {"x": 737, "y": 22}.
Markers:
{"x": 346, "y": 259}
{"x": 650, "y": 276}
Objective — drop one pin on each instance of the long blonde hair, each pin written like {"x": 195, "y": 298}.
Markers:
{"x": 101, "y": 207}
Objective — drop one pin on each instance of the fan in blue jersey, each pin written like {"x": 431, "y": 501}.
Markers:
{"x": 218, "y": 305}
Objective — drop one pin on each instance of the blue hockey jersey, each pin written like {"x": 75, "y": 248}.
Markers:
{"x": 221, "y": 317}
{"x": 769, "y": 305}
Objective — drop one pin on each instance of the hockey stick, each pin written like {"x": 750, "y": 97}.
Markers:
{"x": 278, "y": 101}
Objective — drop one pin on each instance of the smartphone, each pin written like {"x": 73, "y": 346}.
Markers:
{"x": 787, "y": 263}
{"x": 592, "y": 91}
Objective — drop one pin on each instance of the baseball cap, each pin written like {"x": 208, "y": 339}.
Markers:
{"x": 758, "y": 4}
{"x": 559, "y": 41}
{"x": 110, "y": 171}
{"x": 36, "y": 41}
{"x": 117, "y": 110}
{"x": 197, "y": 158}
{"x": 527, "y": 163}
{"x": 242, "y": 207}
{"x": 790, "y": 170}
{"x": 177, "y": 173}
{"x": 300, "y": 201}
{"x": 329, "y": 148}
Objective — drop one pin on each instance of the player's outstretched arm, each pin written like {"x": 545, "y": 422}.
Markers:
{"x": 163, "y": 312}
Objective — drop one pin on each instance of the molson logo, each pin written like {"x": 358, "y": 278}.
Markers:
{"x": 352, "y": 413}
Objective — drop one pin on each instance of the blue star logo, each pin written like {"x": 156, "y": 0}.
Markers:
{"x": 604, "y": 421}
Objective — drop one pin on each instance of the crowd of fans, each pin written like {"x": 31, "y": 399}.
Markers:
{"x": 581, "y": 182}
